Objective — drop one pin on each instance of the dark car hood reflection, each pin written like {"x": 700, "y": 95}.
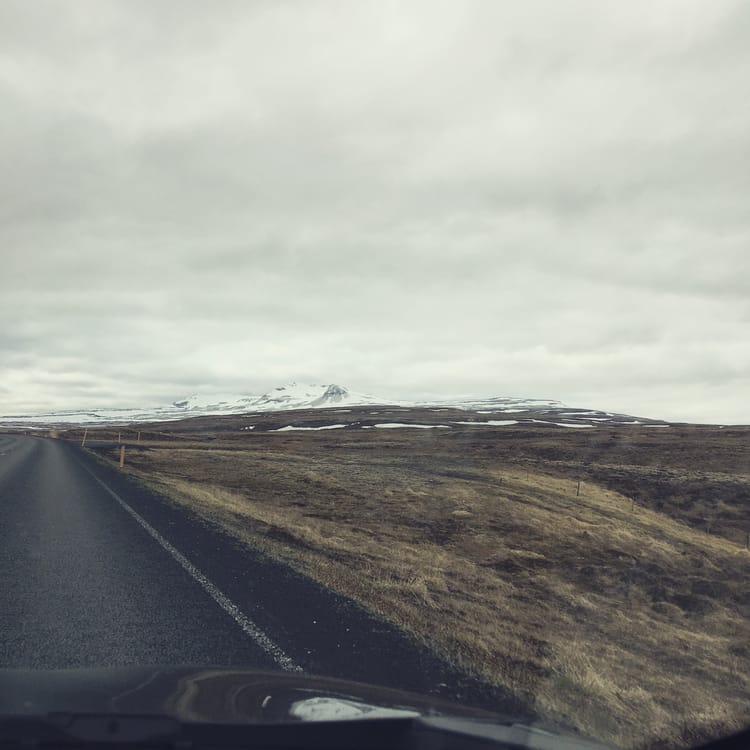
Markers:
{"x": 212, "y": 695}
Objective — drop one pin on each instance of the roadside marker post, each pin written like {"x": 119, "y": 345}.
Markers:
{"x": 85, "y": 432}
{"x": 122, "y": 456}
{"x": 139, "y": 437}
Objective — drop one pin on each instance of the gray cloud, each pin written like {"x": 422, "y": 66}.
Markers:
{"x": 408, "y": 198}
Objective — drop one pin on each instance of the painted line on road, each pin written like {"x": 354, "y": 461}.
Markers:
{"x": 245, "y": 623}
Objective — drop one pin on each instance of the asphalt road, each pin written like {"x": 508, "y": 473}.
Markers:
{"x": 85, "y": 585}
{"x": 96, "y": 570}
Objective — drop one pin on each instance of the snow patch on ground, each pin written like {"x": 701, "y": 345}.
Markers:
{"x": 491, "y": 422}
{"x": 394, "y": 425}
{"x": 291, "y": 427}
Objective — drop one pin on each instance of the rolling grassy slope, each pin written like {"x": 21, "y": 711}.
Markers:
{"x": 627, "y": 619}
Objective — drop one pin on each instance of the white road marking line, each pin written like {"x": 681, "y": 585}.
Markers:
{"x": 245, "y": 623}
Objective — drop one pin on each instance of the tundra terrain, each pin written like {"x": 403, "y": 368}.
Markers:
{"x": 601, "y": 573}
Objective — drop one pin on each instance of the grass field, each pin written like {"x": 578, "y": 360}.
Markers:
{"x": 620, "y": 604}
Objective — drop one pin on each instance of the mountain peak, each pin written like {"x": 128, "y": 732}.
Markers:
{"x": 333, "y": 394}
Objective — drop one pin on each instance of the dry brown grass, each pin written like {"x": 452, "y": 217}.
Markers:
{"x": 631, "y": 624}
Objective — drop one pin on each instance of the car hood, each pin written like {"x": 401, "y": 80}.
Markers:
{"x": 212, "y": 695}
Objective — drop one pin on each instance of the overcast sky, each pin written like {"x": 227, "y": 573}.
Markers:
{"x": 539, "y": 198}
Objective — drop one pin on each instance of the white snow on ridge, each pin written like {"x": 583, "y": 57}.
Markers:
{"x": 99, "y": 416}
{"x": 290, "y": 396}
{"x": 491, "y": 422}
{"x": 287, "y": 397}
{"x": 290, "y": 428}
{"x": 304, "y": 396}
{"x": 494, "y": 404}
{"x": 394, "y": 425}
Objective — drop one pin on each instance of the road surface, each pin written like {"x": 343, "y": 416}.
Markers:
{"x": 96, "y": 570}
{"x": 84, "y": 584}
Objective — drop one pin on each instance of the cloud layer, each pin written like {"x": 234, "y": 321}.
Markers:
{"x": 409, "y": 198}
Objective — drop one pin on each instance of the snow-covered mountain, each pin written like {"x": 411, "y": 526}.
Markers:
{"x": 286, "y": 397}
{"x": 290, "y": 396}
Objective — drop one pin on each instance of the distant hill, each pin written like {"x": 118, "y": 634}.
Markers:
{"x": 294, "y": 396}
